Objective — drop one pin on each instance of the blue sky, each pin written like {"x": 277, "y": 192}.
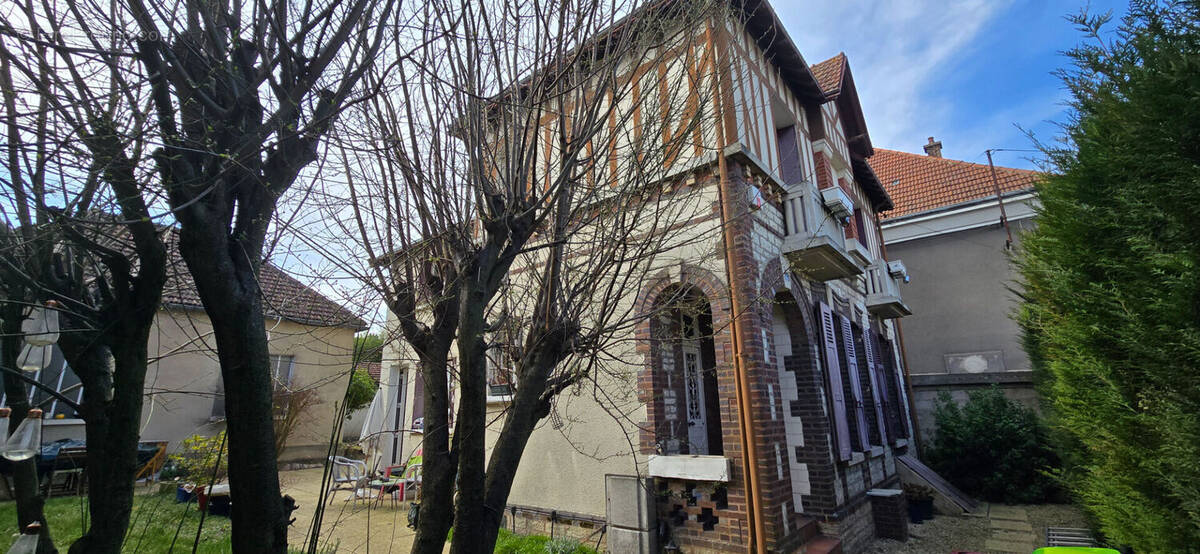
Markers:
{"x": 966, "y": 72}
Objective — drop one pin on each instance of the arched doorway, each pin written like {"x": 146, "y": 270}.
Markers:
{"x": 686, "y": 378}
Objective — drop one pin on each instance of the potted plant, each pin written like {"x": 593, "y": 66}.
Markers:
{"x": 920, "y": 502}
{"x": 201, "y": 460}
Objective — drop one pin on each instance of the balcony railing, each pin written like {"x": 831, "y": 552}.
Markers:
{"x": 814, "y": 241}
{"x": 883, "y": 292}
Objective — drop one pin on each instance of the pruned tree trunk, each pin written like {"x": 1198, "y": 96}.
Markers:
{"x": 231, "y": 299}
{"x": 469, "y": 520}
{"x": 437, "y": 484}
{"x": 112, "y": 439}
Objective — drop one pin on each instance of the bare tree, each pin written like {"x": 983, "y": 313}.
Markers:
{"x": 236, "y": 96}
{"x": 79, "y": 232}
{"x": 523, "y": 171}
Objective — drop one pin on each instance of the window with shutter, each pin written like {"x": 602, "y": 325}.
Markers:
{"x": 418, "y": 401}
{"x": 855, "y": 383}
{"x": 894, "y": 387}
{"x": 789, "y": 155}
{"x": 877, "y": 393}
{"x": 833, "y": 378}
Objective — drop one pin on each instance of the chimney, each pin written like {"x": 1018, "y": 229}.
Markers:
{"x": 933, "y": 149}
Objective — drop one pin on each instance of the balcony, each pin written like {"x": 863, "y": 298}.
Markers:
{"x": 814, "y": 242}
{"x": 883, "y": 290}
{"x": 859, "y": 251}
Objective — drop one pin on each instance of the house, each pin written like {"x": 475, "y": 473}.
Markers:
{"x": 806, "y": 458}
{"x": 952, "y": 224}
{"x": 311, "y": 341}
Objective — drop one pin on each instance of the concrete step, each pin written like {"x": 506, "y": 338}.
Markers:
{"x": 823, "y": 545}
{"x": 811, "y": 528}
{"x": 1011, "y": 525}
{"x": 1007, "y": 512}
{"x": 1014, "y": 535}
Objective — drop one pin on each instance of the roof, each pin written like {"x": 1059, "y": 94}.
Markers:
{"x": 769, "y": 32}
{"x": 283, "y": 296}
{"x": 920, "y": 183}
{"x": 829, "y": 74}
{"x": 373, "y": 370}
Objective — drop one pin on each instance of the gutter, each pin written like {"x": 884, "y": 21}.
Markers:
{"x": 742, "y": 381}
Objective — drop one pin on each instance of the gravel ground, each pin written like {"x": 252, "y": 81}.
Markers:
{"x": 944, "y": 534}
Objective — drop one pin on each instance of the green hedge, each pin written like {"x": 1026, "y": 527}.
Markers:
{"x": 1111, "y": 277}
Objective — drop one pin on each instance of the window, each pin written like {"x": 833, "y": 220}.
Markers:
{"x": 499, "y": 371}
{"x": 281, "y": 371}
{"x": 790, "y": 167}
{"x": 57, "y": 376}
{"x": 418, "y": 412}
{"x": 859, "y": 226}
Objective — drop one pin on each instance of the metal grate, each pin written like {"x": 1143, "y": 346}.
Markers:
{"x": 1069, "y": 536}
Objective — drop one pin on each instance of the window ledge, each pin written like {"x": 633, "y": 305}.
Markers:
{"x": 876, "y": 451}
{"x": 690, "y": 467}
{"x": 900, "y": 442}
{"x": 64, "y": 421}
{"x": 856, "y": 458}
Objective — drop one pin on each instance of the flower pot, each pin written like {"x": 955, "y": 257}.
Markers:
{"x": 182, "y": 494}
{"x": 914, "y": 513}
{"x": 926, "y": 506}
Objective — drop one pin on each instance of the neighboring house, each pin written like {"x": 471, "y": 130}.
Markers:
{"x": 311, "y": 340}
{"x": 826, "y": 398}
{"x": 947, "y": 226}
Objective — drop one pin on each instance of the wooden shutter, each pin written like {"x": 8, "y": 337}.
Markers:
{"x": 878, "y": 394}
{"x": 418, "y": 401}
{"x": 833, "y": 378}
{"x": 860, "y": 415}
{"x": 895, "y": 387}
{"x": 789, "y": 156}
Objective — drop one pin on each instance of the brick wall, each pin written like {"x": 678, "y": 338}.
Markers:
{"x": 535, "y": 521}
{"x": 856, "y": 528}
{"x": 890, "y": 512}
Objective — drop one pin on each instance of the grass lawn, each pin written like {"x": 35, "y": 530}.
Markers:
{"x": 153, "y": 525}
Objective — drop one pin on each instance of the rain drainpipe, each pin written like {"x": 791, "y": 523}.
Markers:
{"x": 742, "y": 382}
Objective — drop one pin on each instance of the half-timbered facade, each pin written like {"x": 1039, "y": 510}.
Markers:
{"x": 764, "y": 404}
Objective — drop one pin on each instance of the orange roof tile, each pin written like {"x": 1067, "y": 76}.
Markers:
{"x": 829, "y": 74}
{"x": 920, "y": 183}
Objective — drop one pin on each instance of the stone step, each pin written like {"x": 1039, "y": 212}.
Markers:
{"x": 823, "y": 545}
{"x": 811, "y": 528}
{"x": 1011, "y": 525}
{"x": 1007, "y": 512}
{"x": 997, "y": 545}
{"x": 1013, "y": 535}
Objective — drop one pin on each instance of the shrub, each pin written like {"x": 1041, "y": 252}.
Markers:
{"x": 361, "y": 391}
{"x": 197, "y": 458}
{"x": 993, "y": 448}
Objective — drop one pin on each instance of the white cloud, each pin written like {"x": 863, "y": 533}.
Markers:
{"x": 901, "y": 53}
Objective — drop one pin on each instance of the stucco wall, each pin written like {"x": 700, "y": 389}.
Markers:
{"x": 182, "y": 384}
{"x": 959, "y": 298}
{"x": 962, "y": 336}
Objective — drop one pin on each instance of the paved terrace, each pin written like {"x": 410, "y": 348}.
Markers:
{"x": 349, "y": 525}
